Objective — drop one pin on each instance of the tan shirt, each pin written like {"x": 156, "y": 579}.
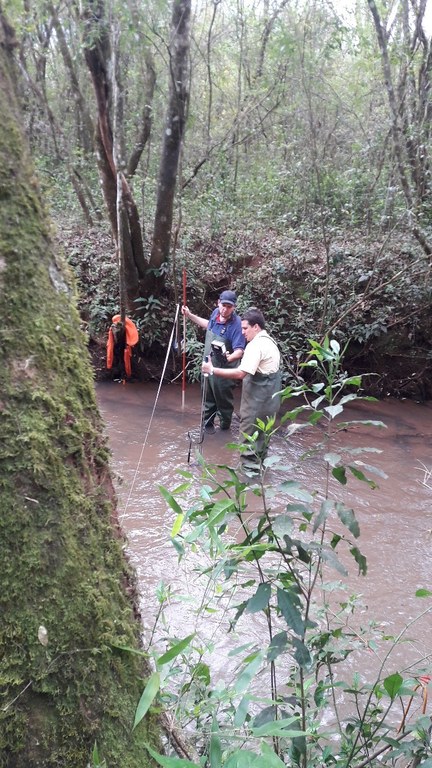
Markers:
{"x": 261, "y": 355}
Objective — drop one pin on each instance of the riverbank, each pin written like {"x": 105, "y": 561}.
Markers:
{"x": 373, "y": 295}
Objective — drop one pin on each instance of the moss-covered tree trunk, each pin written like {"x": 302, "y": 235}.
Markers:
{"x": 67, "y": 595}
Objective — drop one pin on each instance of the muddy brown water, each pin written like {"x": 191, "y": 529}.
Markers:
{"x": 148, "y": 436}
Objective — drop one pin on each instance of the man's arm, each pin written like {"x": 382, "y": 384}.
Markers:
{"x": 237, "y": 340}
{"x": 237, "y": 354}
{"x": 201, "y": 321}
{"x": 224, "y": 373}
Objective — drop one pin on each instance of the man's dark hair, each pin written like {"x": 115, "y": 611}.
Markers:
{"x": 254, "y": 316}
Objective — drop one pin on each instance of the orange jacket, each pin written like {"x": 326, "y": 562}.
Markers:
{"x": 132, "y": 337}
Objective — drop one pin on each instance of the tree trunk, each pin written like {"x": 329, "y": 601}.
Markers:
{"x": 401, "y": 153}
{"x": 173, "y": 134}
{"x": 68, "y": 601}
{"x": 84, "y": 121}
{"x": 98, "y": 58}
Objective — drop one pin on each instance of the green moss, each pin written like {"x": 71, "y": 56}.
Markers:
{"x": 61, "y": 564}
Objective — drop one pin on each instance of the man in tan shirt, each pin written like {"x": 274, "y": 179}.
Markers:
{"x": 259, "y": 371}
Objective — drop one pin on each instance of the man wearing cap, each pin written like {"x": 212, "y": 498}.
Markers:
{"x": 225, "y": 343}
{"x": 261, "y": 379}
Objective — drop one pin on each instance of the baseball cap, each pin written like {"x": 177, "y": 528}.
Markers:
{"x": 228, "y": 297}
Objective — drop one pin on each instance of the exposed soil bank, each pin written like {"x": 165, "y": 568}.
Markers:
{"x": 374, "y": 295}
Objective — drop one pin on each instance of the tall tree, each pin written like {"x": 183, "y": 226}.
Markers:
{"x": 173, "y": 133}
{"x": 410, "y": 109}
{"x": 141, "y": 276}
{"x": 68, "y": 600}
{"x": 98, "y": 55}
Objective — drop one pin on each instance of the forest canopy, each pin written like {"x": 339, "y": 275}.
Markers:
{"x": 248, "y": 133}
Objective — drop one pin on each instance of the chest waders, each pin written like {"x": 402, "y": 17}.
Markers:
{"x": 257, "y": 402}
{"x": 220, "y": 392}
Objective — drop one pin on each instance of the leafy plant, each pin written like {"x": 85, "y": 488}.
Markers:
{"x": 154, "y": 320}
{"x": 96, "y": 760}
{"x": 276, "y": 564}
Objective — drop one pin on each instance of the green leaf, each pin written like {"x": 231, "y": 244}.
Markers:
{"x": 215, "y": 751}
{"x": 333, "y": 410}
{"x": 393, "y": 684}
{"x": 294, "y": 489}
{"x": 171, "y": 762}
{"x": 278, "y": 728}
{"x": 170, "y": 500}
{"x": 282, "y": 524}
{"x": 174, "y": 651}
{"x": 361, "y": 476}
{"x": 315, "y": 417}
{"x": 360, "y": 560}
{"x": 332, "y": 458}
{"x": 340, "y": 475}
{"x": 329, "y": 557}
{"x": 239, "y": 612}
{"x": 96, "y": 761}
{"x": 178, "y": 522}
{"x": 264, "y": 716}
{"x": 147, "y": 698}
{"x": 219, "y": 511}
{"x": 260, "y": 600}
{"x": 291, "y": 415}
{"x": 423, "y": 593}
{"x": 241, "y": 712}
{"x": 178, "y": 546}
{"x": 277, "y": 646}
{"x": 248, "y": 673}
{"x": 240, "y": 649}
{"x": 364, "y": 422}
{"x": 355, "y": 381}
{"x": 270, "y": 758}
{"x": 348, "y": 398}
{"x": 348, "y": 518}
{"x": 288, "y": 603}
{"x": 201, "y": 672}
{"x": 181, "y": 488}
{"x": 315, "y": 403}
{"x": 242, "y": 758}
{"x": 371, "y": 468}
{"x": 302, "y": 552}
{"x": 301, "y": 655}
{"x": 320, "y": 519}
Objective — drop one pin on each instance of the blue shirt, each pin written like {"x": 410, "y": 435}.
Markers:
{"x": 231, "y": 330}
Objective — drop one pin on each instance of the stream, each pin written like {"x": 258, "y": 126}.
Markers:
{"x": 148, "y": 437}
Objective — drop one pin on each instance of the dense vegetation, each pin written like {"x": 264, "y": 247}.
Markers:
{"x": 302, "y": 159}
{"x": 303, "y": 675}
{"x": 304, "y": 175}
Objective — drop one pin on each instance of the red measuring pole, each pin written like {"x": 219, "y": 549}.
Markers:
{"x": 184, "y": 342}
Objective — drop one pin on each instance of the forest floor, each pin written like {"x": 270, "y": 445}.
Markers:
{"x": 372, "y": 294}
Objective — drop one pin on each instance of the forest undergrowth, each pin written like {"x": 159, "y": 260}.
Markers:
{"x": 374, "y": 294}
